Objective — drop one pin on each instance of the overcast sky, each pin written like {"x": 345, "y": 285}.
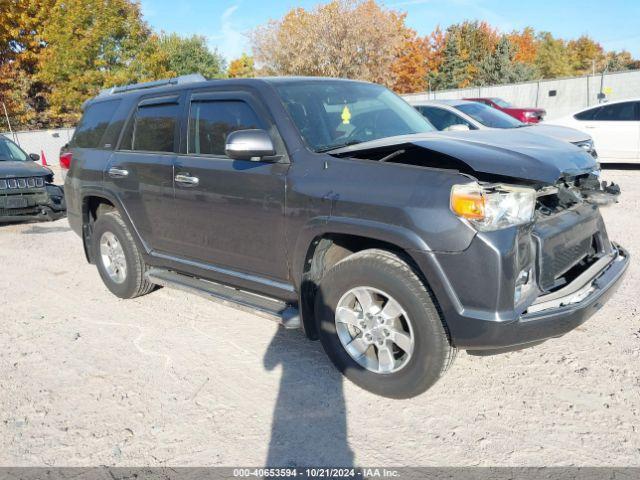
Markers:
{"x": 614, "y": 23}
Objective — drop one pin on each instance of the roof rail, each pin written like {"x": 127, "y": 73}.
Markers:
{"x": 193, "y": 78}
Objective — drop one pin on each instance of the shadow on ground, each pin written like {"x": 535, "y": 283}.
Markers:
{"x": 38, "y": 230}
{"x": 309, "y": 422}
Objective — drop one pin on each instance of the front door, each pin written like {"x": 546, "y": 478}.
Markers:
{"x": 230, "y": 213}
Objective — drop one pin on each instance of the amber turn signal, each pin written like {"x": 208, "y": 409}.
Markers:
{"x": 467, "y": 201}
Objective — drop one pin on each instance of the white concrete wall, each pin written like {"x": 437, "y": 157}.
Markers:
{"x": 571, "y": 93}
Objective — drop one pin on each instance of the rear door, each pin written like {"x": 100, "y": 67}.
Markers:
{"x": 229, "y": 213}
{"x": 141, "y": 170}
{"x": 615, "y": 129}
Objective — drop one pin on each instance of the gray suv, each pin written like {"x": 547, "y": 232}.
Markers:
{"x": 334, "y": 206}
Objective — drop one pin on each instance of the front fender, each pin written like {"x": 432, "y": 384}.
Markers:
{"x": 401, "y": 237}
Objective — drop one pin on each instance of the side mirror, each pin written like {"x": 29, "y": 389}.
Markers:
{"x": 458, "y": 127}
{"x": 34, "y": 156}
{"x": 249, "y": 145}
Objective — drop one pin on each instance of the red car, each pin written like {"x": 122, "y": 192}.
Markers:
{"x": 526, "y": 115}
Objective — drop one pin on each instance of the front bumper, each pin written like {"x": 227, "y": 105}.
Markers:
{"x": 46, "y": 204}
{"x": 553, "y": 318}
{"x": 549, "y": 316}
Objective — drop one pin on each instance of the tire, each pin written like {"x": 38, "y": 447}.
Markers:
{"x": 386, "y": 277}
{"x": 133, "y": 282}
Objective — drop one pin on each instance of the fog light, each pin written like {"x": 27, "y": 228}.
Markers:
{"x": 524, "y": 283}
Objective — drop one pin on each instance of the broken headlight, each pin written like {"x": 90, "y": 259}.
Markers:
{"x": 493, "y": 207}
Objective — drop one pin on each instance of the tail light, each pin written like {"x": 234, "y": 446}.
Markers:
{"x": 65, "y": 160}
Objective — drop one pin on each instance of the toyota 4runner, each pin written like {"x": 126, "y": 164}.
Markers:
{"x": 333, "y": 206}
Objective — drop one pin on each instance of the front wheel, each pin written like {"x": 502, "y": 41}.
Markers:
{"x": 380, "y": 326}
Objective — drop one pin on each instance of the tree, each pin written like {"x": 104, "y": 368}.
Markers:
{"x": 453, "y": 72}
{"x": 186, "y": 55}
{"x": 242, "y": 67}
{"x": 410, "y": 68}
{"x": 21, "y": 43}
{"x": 344, "y": 38}
{"x": 586, "y": 54}
{"x": 617, "y": 61}
{"x": 500, "y": 67}
{"x": 525, "y": 46}
{"x": 92, "y": 44}
{"x": 552, "y": 57}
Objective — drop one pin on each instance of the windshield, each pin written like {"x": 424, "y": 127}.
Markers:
{"x": 501, "y": 103}
{"x": 489, "y": 117}
{"x": 10, "y": 152}
{"x": 332, "y": 114}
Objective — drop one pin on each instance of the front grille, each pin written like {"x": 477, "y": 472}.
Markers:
{"x": 19, "y": 211}
{"x": 559, "y": 260}
{"x": 21, "y": 183}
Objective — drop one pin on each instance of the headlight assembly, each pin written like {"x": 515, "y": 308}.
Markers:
{"x": 493, "y": 207}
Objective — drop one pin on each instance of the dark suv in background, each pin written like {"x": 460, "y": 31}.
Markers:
{"x": 27, "y": 191}
{"x": 334, "y": 206}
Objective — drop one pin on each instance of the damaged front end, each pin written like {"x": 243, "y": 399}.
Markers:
{"x": 31, "y": 198}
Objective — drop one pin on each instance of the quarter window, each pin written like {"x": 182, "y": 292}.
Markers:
{"x": 211, "y": 121}
{"x": 94, "y": 123}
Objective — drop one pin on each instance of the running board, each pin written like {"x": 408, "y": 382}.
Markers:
{"x": 266, "y": 307}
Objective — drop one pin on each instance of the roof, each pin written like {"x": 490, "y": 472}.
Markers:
{"x": 178, "y": 83}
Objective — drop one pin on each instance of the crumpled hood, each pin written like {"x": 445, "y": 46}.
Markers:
{"x": 22, "y": 169}
{"x": 511, "y": 153}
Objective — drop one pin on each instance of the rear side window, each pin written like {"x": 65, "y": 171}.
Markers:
{"x": 152, "y": 129}
{"x": 211, "y": 121}
{"x": 91, "y": 130}
{"x": 587, "y": 114}
{"x": 617, "y": 112}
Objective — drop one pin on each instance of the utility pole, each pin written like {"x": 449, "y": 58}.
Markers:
{"x": 6, "y": 115}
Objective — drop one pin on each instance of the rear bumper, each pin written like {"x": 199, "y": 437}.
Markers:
{"x": 549, "y": 316}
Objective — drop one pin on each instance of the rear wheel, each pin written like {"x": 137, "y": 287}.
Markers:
{"x": 380, "y": 326}
{"x": 117, "y": 257}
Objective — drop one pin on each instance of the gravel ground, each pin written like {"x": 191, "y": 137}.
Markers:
{"x": 172, "y": 379}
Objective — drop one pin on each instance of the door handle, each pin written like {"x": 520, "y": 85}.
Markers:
{"x": 118, "y": 172}
{"x": 186, "y": 179}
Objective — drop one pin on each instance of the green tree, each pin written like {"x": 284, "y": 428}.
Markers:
{"x": 453, "y": 72}
{"x": 500, "y": 66}
{"x": 186, "y": 55}
{"x": 552, "y": 57}
{"x": 92, "y": 44}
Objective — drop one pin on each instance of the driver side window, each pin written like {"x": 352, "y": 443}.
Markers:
{"x": 210, "y": 121}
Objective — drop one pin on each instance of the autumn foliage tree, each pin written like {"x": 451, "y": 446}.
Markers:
{"x": 242, "y": 67}
{"x": 356, "y": 39}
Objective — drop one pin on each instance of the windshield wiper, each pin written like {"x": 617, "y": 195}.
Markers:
{"x": 340, "y": 145}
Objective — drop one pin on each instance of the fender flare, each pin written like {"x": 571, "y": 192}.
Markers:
{"x": 113, "y": 198}
{"x": 318, "y": 226}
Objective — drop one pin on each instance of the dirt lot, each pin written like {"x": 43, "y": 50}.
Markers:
{"x": 171, "y": 379}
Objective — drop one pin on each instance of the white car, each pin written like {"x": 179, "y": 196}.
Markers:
{"x": 466, "y": 115}
{"x": 614, "y": 126}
